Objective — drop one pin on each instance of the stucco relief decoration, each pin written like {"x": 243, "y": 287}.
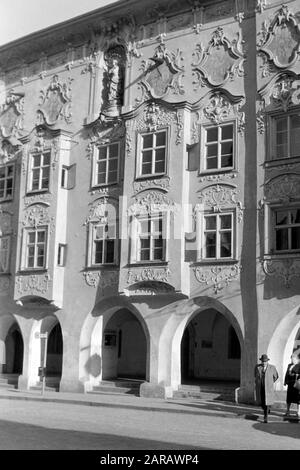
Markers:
{"x": 103, "y": 133}
{"x": 55, "y": 102}
{"x": 283, "y": 188}
{"x": 218, "y": 107}
{"x": 280, "y": 39}
{"x": 42, "y": 140}
{"x": 38, "y": 198}
{"x": 148, "y": 274}
{"x": 113, "y": 80}
{"x": 102, "y": 279}
{"x": 217, "y": 277}
{"x": 221, "y": 61}
{"x": 37, "y": 215}
{"x": 286, "y": 270}
{"x": 282, "y": 92}
{"x": 151, "y": 201}
{"x": 98, "y": 211}
{"x": 34, "y": 283}
{"x": 161, "y": 183}
{"x": 9, "y": 150}
{"x": 12, "y": 115}
{"x": 220, "y": 197}
{"x": 149, "y": 288}
{"x": 164, "y": 72}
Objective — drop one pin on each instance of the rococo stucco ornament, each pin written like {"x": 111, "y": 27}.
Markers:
{"x": 35, "y": 283}
{"x": 160, "y": 183}
{"x": 37, "y": 215}
{"x": 221, "y": 61}
{"x": 113, "y": 79}
{"x": 155, "y": 117}
{"x": 9, "y": 150}
{"x": 55, "y": 102}
{"x": 102, "y": 279}
{"x": 286, "y": 269}
{"x": 163, "y": 72}
{"x": 12, "y": 115}
{"x": 98, "y": 211}
{"x": 151, "y": 201}
{"x": 103, "y": 133}
{"x": 148, "y": 274}
{"x": 282, "y": 91}
{"x": 217, "y": 277}
{"x": 219, "y": 197}
{"x": 149, "y": 288}
{"x": 283, "y": 188}
{"x": 280, "y": 39}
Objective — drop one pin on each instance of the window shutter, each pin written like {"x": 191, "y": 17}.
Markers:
{"x": 193, "y": 156}
{"x": 190, "y": 247}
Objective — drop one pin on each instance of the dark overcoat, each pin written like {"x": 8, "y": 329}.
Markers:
{"x": 271, "y": 376}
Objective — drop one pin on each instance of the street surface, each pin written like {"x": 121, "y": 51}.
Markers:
{"x": 33, "y": 425}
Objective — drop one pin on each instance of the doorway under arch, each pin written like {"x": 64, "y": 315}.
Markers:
{"x": 124, "y": 347}
{"x": 210, "y": 350}
{"x": 14, "y": 350}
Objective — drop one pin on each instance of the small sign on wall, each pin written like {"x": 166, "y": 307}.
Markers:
{"x": 110, "y": 338}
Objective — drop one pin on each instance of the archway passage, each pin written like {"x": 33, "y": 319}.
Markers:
{"x": 124, "y": 347}
{"x": 14, "y": 349}
{"x": 54, "y": 352}
{"x": 210, "y": 351}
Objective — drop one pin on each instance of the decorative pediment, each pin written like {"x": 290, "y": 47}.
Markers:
{"x": 11, "y": 115}
{"x": 280, "y": 39}
{"x": 55, "y": 102}
{"x": 221, "y": 61}
{"x": 9, "y": 149}
{"x": 163, "y": 72}
{"x": 282, "y": 91}
{"x": 42, "y": 139}
{"x": 37, "y": 215}
{"x": 103, "y": 132}
{"x": 101, "y": 210}
{"x": 151, "y": 201}
{"x": 159, "y": 183}
{"x": 219, "y": 197}
{"x": 283, "y": 188}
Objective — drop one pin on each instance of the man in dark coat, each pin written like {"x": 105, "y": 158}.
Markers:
{"x": 265, "y": 377}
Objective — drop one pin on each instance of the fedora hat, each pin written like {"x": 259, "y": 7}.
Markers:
{"x": 264, "y": 358}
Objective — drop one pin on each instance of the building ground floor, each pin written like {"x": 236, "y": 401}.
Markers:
{"x": 162, "y": 343}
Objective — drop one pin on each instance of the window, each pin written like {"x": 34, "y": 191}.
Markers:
{"x": 104, "y": 244}
{"x": 107, "y": 164}
{"x": 153, "y": 154}
{"x": 4, "y": 254}
{"x": 61, "y": 254}
{"x": 218, "y": 236}
{"x": 286, "y": 138}
{"x": 68, "y": 176}
{"x": 286, "y": 230}
{"x": 40, "y": 172}
{"x": 218, "y": 147}
{"x": 151, "y": 246}
{"x": 6, "y": 181}
{"x": 36, "y": 247}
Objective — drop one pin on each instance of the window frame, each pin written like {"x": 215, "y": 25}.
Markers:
{"x": 272, "y": 136}
{"x": 138, "y": 170}
{"x": 203, "y": 142}
{"x": 92, "y": 227}
{"x": 9, "y": 198}
{"x": 200, "y": 220}
{"x": 30, "y": 172}
{"x": 97, "y": 146}
{"x": 24, "y": 257}
{"x": 272, "y": 230}
{"x": 8, "y": 267}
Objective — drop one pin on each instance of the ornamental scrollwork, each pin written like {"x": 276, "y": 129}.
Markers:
{"x": 280, "y": 39}
{"x": 10, "y": 149}
{"x": 282, "y": 92}
{"x": 37, "y": 215}
{"x": 101, "y": 279}
{"x": 283, "y": 188}
{"x": 159, "y": 183}
{"x": 218, "y": 277}
{"x": 100, "y": 209}
{"x": 148, "y": 274}
{"x": 149, "y": 288}
{"x": 221, "y": 61}
{"x": 104, "y": 133}
{"x": 220, "y": 197}
{"x": 151, "y": 201}
{"x": 12, "y": 115}
{"x": 34, "y": 283}
{"x": 55, "y": 102}
{"x": 286, "y": 269}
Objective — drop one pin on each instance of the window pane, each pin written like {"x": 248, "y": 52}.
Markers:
{"x": 31, "y": 237}
{"x": 46, "y": 159}
{"x": 30, "y": 262}
{"x": 226, "y": 148}
{"x": 145, "y": 243}
{"x": 212, "y": 134}
{"x": 159, "y": 167}
{"x": 227, "y": 132}
{"x": 226, "y": 161}
{"x": 295, "y": 238}
{"x": 295, "y": 135}
{"x": 102, "y": 153}
{"x": 147, "y": 141}
{"x": 212, "y": 163}
{"x": 146, "y": 169}
{"x": 295, "y": 216}
{"x": 10, "y": 170}
{"x": 212, "y": 150}
{"x": 160, "y": 139}
{"x": 112, "y": 177}
{"x": 282, "y": 217}
{"x": 225, "y": 238}
{"x": 282, "y": 239}
{"x": 109, "y": 255}
{"x": 160, "y": 155}
{"x": 41, "y": 237}
{"x": 158, "y": 254}
{"x": 225, "y": 221}
{"x": 99, "y": 232}
{"x": 113, "y": 164}
{"x": 101, "y": 178}
{"x": 35, "y": 179}
{"x": 113, "y": 150}
{"x": 145, "y": 226}
{"x": 210, "y": 245}
{"x": 2, "y": 172}
{"x": 98, "y": 251}
{"x": 36, "y": 160}
{"x": 210, "y": 222}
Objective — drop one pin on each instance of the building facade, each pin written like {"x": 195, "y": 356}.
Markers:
{"x": 150, "y": 196}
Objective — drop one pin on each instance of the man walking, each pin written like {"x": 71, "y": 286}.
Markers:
{"x": 265, "y": 377}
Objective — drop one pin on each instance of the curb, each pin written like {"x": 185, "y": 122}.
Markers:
{"x": 70, "y": 401}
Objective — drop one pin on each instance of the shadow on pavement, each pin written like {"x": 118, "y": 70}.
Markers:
{"x": 20, "y": 436}
{"x": 289, "y": 429}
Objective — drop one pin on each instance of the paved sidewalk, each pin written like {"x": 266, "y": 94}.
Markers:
{"x": 192, "y": 406}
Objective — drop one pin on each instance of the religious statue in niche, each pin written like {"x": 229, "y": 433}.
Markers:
{"x": 114, "y": 80}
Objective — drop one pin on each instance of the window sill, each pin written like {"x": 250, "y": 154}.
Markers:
{"x": 145, "y": 264}
{"x": 281, "y": 256}
{"x": 6, "y": 273}
{"x": 218, "y": 171}
{"x": 26, "y": 271}
{"x": 37, "y": 192}
{"x": 214, "y": 262}
{"x": 4, "y": 200}
{"x": 103, "y": 186}
{"x": 272, "y": 162}
{"x": 101, "y": 267}
{"x": 151, "y": 177}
